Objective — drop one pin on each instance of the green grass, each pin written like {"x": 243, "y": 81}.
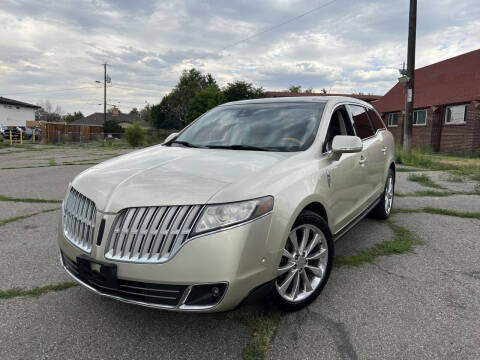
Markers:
{"x": 28, "y": 200}
{"x": 421, "y": 193}
{"x": 7, "y": 294}
{"x": 263, "y": 324}
{"x": 404, "y": 241}
{"x": 409, "y": 169}
{"x": 424, "y": 180}
{"x": 52, "y": 163}
{"x": 439, "y": 211}
{"x": 459, "y": 165}
{"x": 16, "y": 218}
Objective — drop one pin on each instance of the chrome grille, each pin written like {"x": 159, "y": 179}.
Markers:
{"x": 150, "y": 234}
{"x": 78, "y": 214}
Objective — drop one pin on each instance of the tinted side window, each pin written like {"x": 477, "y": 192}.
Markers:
{"x": 377, "y": 122}
{"x": 361, "y": 122}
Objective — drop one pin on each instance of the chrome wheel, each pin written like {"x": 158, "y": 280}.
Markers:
{"x": 303, "y": 264}
{"x": 389, "y": 195}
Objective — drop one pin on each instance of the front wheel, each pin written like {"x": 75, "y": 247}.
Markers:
{"x": 305, "y": 264}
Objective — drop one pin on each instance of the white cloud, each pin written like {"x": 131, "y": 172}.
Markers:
{"x": 342, "y": 47}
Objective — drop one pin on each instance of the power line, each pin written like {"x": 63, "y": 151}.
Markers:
{"x": 49, "y": 91}
{"x": 275, "y": 26}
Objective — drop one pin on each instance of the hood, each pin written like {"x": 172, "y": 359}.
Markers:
{"x": 162, "y": 175}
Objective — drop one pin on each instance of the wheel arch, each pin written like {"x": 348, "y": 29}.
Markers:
{"x": 318, "y": 209}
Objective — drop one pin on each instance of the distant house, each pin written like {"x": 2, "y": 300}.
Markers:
{"x": 16, "y": 113}
{"x": 367, "y": 98}
{"x": 121, "y": 119}
{"x": 446, "y": 104}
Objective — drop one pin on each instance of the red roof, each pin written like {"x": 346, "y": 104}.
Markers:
{"x": 454, "y": 80}
{"x": 367, "y": 98}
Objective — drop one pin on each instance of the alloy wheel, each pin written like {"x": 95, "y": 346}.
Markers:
{"x": 389, "y": 195}
{"x": 303, "y": 264}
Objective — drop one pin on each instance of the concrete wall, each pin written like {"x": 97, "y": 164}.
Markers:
{"x": 12, "y": 115}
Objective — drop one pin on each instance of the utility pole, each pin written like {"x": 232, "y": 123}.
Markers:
{"x": 104, "y": 92}
{"x": 408, "y": 119}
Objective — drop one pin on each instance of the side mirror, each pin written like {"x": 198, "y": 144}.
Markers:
{"x": 171, "y": 137}
{"x": 346, "y": 144}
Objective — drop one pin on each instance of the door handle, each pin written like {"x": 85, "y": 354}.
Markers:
{"x": 384, "y": 150}
{"x": 362, "y": 160}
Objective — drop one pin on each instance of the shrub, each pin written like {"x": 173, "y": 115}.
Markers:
{"x": 135, "y": 134}
{"x": 112, "y": 127}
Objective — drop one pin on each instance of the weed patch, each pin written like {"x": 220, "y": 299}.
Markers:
{"x": 28, "y": 200}
{"x": 16, "y": 218}
{"x": 7, "y": 294}
{"x": 424, "y": 180}
{"x": 263, "y": 324}
{"x": 404, "y": 241}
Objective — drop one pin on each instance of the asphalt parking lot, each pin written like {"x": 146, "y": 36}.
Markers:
{"x": 422, "y": 302}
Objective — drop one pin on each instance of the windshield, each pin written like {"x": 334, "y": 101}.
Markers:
{"x": 267, "y": 127}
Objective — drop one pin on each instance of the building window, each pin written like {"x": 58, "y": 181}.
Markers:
{"x": 420, "y": 117}
{"x": 393, "y": 119}
{"x": 455, "y": 114}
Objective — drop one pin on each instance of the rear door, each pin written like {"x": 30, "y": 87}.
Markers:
{"x": 382, "y": 150}
{"x": 370, "y": 159}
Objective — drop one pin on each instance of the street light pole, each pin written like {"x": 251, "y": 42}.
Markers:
{"x": 408, "y": 119}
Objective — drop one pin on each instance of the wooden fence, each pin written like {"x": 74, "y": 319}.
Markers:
{"x": 52, "y": 132}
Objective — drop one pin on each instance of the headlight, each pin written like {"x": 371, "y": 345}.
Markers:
{"x": 216, "y": 217}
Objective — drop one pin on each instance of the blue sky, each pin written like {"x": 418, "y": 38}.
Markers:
{"x": 53, "y": 50}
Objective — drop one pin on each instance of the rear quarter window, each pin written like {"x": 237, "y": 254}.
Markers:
{"x": 376, "y": 120}
{"x": 361, "y": 122}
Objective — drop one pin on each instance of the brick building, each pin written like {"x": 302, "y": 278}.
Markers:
{"x": 446, "y": 105}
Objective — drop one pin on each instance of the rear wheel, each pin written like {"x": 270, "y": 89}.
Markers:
{"x": 305, "y": 263}
{"x": 384, "y": 207}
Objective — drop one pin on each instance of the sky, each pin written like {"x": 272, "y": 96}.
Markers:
{"x": 54, "y": 50}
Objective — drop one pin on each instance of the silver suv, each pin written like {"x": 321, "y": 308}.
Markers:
{"x": 247, "y": 199}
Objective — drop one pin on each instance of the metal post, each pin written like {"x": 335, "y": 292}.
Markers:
{"x": 408, "y": 119}
{"x": 11, "y": 142}
{"x": 104, "y": 93}
{"x": 21, "y": 137}
{"x": 33, "y": 136}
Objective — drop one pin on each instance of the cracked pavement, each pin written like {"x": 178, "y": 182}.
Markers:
{"x": 424, "y": 304}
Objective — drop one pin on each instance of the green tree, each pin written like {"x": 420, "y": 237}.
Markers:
{"x": 173, "y": 111}
{"x": 204, "y": 100}
{"x": 112, "y": 127}
{"x": 72, "y": 117}
{"x": 135, "y": 134}
{"x": 164, "y": 116}
{"x": 297, "y": 89}
{"x": 241, "y": 90}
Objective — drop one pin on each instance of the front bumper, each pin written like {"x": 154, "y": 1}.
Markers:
{"x": 237, "y": 258}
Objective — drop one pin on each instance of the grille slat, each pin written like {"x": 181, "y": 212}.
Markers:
{"x": 79, "y": 220}
{"x": 150, "y": 234}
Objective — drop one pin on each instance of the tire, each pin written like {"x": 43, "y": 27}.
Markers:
{"x": 384, "y": 208}
{"x": 305, "y": 274}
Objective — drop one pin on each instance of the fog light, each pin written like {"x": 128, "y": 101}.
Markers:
{"x": 206, "y": 294}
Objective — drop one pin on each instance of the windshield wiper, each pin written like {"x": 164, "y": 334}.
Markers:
{"x": 238, "y": 147}
{"x": 185, "y": 143}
